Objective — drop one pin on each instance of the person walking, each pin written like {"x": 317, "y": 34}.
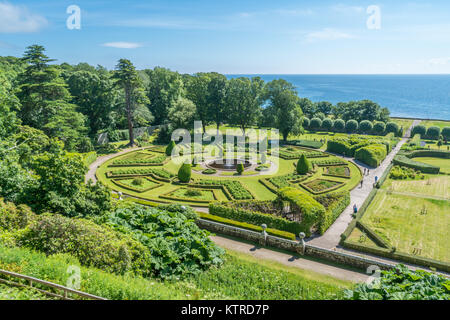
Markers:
{"x": 365, "y": 171}
{"x": 376, "y": 179}
{"x": 368, "y": 172}
{"x": 355, "y": 209}
{"x": 362, "y": 183}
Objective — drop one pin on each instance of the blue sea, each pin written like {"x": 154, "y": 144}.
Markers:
{"x": 412, "y": 96}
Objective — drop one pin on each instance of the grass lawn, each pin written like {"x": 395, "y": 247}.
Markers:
{"x": 197, "y": 195}
{"x": 397, "y": 214}
{"x": 432, "y": 186}
{"x": 145, "y": 183}
{"x": 405, "y": 123}
{"x": 440, "y": 124}
{"x": 444, "y": 164}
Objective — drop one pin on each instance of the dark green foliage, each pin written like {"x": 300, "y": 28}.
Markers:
{"x": 379, "y": 128}
{"x": 335, "y": 204}
{"x": 185, "y": 172}
{"x": 303, "y": 165}
{"x": 446, "y": 133}
{"x": 235, "y": 188}
{"x": 433, "y": 133}
{"x": 392, "y": 127}
{"x": 420, "y": 129}
{"x": 306, "y": 122}
{"x": 240, "y": 168}
{"x": 169, "y": 148}
{"x": 327, "y": 124}
{"x": 209, "y": 171}
{"x": 371, "y": 155}
{"x": 178, "y": 246}
{"x": 351, "y": 126}
{"x": 339, "y": 125}
{"x": 366, "y": 126}
{"x": 315, "y": 124}
{"x": 403, "y": 284}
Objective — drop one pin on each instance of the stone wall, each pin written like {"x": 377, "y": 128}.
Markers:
{"x": 293, "y": 246}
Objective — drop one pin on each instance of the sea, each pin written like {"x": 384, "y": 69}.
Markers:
{"x": 410, "y": 96}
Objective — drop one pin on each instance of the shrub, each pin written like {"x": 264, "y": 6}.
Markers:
{"x": 433, "y": 133}
{"x": 240, "y": 168}
{"x": 379, "y": 128}
{"x": 351, "y": 126}
{"x": 446, "y": 133}
{"x": 306, "y": 122}
{"x": 209, "y": 171}
{"x": 403, "y": 284}
{"x": 392, "y": 127}
{"x": 404, "y": 161}
{"x": 339, "y": 125}
{"x": 339, "y": 146}
{"x": 93, "y": 245}
{"x": 185, "y": 172}
{"x": 327, "y": 124}
{"x": 170, "y": 148}
{"x": 193, "y": 192}
{"x": 365, "y": 126}
{"x": 310, "y": 209}
{"x": 138, "y": 181}
{"x": 335, "y": 204}
{"x": 372, "y": 155}
{"x": 303, "y": 165}
{"x": 402, "y": 173}
{"x": 256, "y": 218}
{"x": 420, "y": 129}
{"x": 315, "y": 124}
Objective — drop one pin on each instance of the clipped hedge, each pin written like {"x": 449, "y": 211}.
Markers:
{"x": 247, "y": 226}
{"x": 371, "y": 155}
{"x": 404, "y": 161}
{"x": 310, "y": 209}
{"x": 334, "y": 209}
{"x": 255, "y": 218}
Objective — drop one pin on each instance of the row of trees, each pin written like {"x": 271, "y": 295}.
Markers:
{"x": 352, "y": 126}
{"x": 433, "y": 132}
{"x": 353, "y": 110}
{"x": 75, "y": 103}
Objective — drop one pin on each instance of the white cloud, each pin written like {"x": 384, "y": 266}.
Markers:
{"x": 345, "y": 9}
{"x": 16, "y": 19}
{"x": 328, "y": 34}
{"x": 295, "y": 12}
{"x": 439, "y": 61}
{"x": 122, "y": 45}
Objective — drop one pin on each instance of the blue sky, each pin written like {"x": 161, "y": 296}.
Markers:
{"x": 247, "y": 36}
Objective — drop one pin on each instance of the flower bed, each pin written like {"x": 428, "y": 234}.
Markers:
{"x": 319, "y": 186}
{"x": 147, "y": 185}
{"x": 338, "y": 171}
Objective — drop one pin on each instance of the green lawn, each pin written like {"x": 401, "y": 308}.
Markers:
{"x": 403, "y": 222}
{"x": 433, "y": 186}
{"x": 431, "y": 123}
{"x": 444, "y": 164}
{"x": 405, "y": 123}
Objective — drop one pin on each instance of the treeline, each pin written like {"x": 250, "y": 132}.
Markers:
{"x": 432, "y": 133}
{"x": 75, "y": 103}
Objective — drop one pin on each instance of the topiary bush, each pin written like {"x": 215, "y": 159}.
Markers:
{"x": 170, "y": 148}
{"x": 351, "y": 126}
{"x": 185, "y": 173}
{"x": 446, "y": 133}
{"x": 315, "y": 124}
{"x": 420, "y": 129}
{"x": 392, "y": 127}
{"x": 379, "y": 128}
{"x": 365, "y": 126}
{"x": 339, "y": 125}
{"x": 371, "y": 155}
{"x": 327, "y": 124}
{"x": 433, "y": 133}
{"x": 303, "y": 165}
{"x": 240, "y": 168}
{"x": 306, "y": 122}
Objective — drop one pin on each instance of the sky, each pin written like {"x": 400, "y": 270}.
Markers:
{"x": 238, "y": 37}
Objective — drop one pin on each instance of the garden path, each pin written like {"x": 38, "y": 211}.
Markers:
{"x": 332, "y": 236}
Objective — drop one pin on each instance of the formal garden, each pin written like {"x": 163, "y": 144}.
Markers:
{"x": 407, "y": 216}
{"x": 243, "y": 188}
